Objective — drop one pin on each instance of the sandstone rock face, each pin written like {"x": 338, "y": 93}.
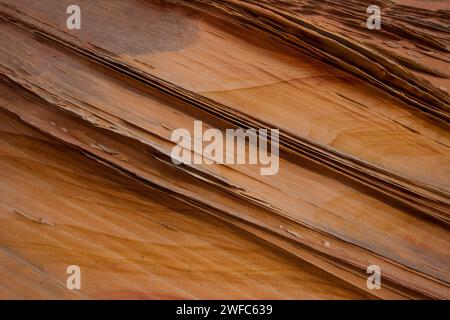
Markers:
{"x": 87, "y": 123}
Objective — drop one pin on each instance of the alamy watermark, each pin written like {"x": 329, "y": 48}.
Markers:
{"x": 374, "y": 280}
{"x": 374, "y": 20}
{"x": 74, "y": 279}
{"x": 227, "y": 148}
{"x": 74, "y": 20}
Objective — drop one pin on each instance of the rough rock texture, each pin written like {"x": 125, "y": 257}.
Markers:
{"x": 87, "y": 178}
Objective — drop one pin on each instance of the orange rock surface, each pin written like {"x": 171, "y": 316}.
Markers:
{"x": 87, "y": 178}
